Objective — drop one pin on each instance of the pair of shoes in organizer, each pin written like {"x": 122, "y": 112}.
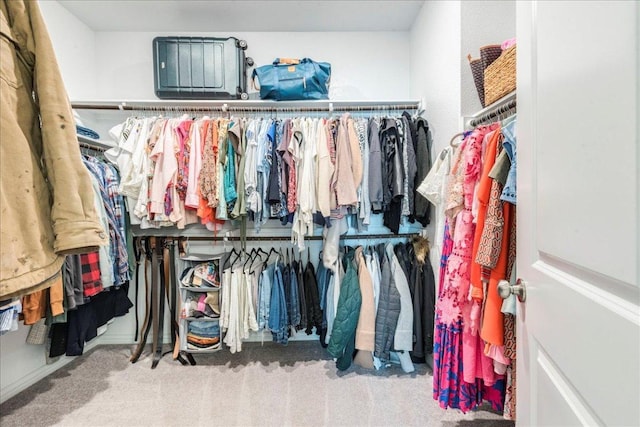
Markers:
{"x": 203, "y": 275}
{"x": 206, "y": 305}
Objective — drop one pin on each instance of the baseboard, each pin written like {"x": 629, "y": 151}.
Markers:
{"x": 44, "y": 371}
{"x": 126, "y": 339}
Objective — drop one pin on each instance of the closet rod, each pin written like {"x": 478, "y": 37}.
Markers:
{"x": 93, "y": 143}
{"x": 251, "y": 106}
{"x": 281, "y": 238}
{"x": 92, "y": 147}
{"x": 509, "y": 107}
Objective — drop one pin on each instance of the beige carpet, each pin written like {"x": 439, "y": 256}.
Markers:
{"x": 296, "y": 385}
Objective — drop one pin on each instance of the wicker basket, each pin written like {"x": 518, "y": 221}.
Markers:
{"x": 500, "y": 77}
{"x": 478, "y": 76}
{"x": 489, "y": 54}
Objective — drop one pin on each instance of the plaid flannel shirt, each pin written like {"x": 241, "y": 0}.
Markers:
{"x": 107, "y": 178}
{"x": 91, "y": 283}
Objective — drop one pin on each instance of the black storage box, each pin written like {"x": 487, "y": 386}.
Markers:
{"x": 200, "y": 68}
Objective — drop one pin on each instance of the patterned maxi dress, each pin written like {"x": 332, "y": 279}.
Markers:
{"x": 453, "y": 305}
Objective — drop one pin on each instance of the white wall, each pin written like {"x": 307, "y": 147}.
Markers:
{"x": 435, "y": 77}
{"x": 365, "y": 65}
{"x": 483, "y": 23}
{"x": 435, "y": 67}
{"x": 74, "y": 44}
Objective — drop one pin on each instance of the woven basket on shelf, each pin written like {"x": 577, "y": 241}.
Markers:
{"x": 500, "y": 76}
{"x": 489, "y": 54}
{"x": 478, "y": 76}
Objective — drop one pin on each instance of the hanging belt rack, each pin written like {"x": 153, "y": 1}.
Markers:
{"x": 251, "y": 106}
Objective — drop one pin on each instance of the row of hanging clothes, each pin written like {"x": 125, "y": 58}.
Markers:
{"x": 92, "y": 288}
{"x": 380, "y": 306}
{"x": 376, "y": 306}
{"x": 473, "y": 188}
{"x": 96, "y": 283}
{"x": 302, "y": 170}
{"x": 273, "y": 291}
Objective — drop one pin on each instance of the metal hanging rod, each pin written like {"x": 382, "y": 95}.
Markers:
{"x": 93, "y": 144}
{"x": 506, "y": 104}
{"x": 250, "y": 106}
{"x": 509, "y": 107}
{"x": 91, "y": 147}
{"x": 281, "y": 238}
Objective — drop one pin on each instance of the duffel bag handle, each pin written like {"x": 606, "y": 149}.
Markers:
{"x": 254, "y": 74}
{"x": 286, "y": 61}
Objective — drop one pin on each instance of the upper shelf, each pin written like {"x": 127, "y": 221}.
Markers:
{"x": 249, "y": 105}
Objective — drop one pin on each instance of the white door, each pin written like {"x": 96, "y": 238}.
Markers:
{"x": 578, "y": 213}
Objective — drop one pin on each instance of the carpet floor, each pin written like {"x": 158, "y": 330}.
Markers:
{"x": 264, "y": 385}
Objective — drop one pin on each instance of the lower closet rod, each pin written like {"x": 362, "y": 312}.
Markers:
{"x": 281, "y": 238}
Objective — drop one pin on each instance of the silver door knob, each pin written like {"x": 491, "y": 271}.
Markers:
{"x": 519, "y": 289}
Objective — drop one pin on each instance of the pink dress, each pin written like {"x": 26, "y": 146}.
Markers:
{"x": 463, "y": 375}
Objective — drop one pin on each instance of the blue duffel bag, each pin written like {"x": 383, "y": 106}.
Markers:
{"x": 293, "y": 79}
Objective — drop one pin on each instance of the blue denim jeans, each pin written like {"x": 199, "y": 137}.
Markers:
{"x": 294, "y": 314}
{"x": 264, "y": 296}
{"x": 204, "y": 329}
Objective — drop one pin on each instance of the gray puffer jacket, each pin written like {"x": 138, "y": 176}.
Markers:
{"x": 388, "y": 308}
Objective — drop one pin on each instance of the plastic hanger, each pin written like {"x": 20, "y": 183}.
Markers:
{"x": 271, "y": 252}
{"x": 454, "y": 138}
{"x": 258, "y": 256}
{"x": 248, "y": 261}
{"x": 236, "y": 253}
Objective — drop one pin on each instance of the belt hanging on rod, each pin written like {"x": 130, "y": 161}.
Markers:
{"x": 158, "y": 303}
{"x": 146, "y": 324}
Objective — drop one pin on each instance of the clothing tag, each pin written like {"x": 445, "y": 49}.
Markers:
{"x": 291, "y": 69}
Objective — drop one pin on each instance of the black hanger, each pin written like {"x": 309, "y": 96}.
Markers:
{"x": 271, "y": 252}
{"x": 248, "y": 260}
{"x": 230, "y": 260}
{"x": 243, "y": 256}
{"x": 260, "y": 251}
{"x": 256, "y": 256}
{"x": 238, "y": 256}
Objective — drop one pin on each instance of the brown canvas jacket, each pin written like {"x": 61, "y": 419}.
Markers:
{"x": 47, "y": 207}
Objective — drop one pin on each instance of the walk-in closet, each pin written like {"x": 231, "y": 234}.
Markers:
{"x": 376, "y": 213}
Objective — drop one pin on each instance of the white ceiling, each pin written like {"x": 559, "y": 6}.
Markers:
{"x": 245, "y": 15}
